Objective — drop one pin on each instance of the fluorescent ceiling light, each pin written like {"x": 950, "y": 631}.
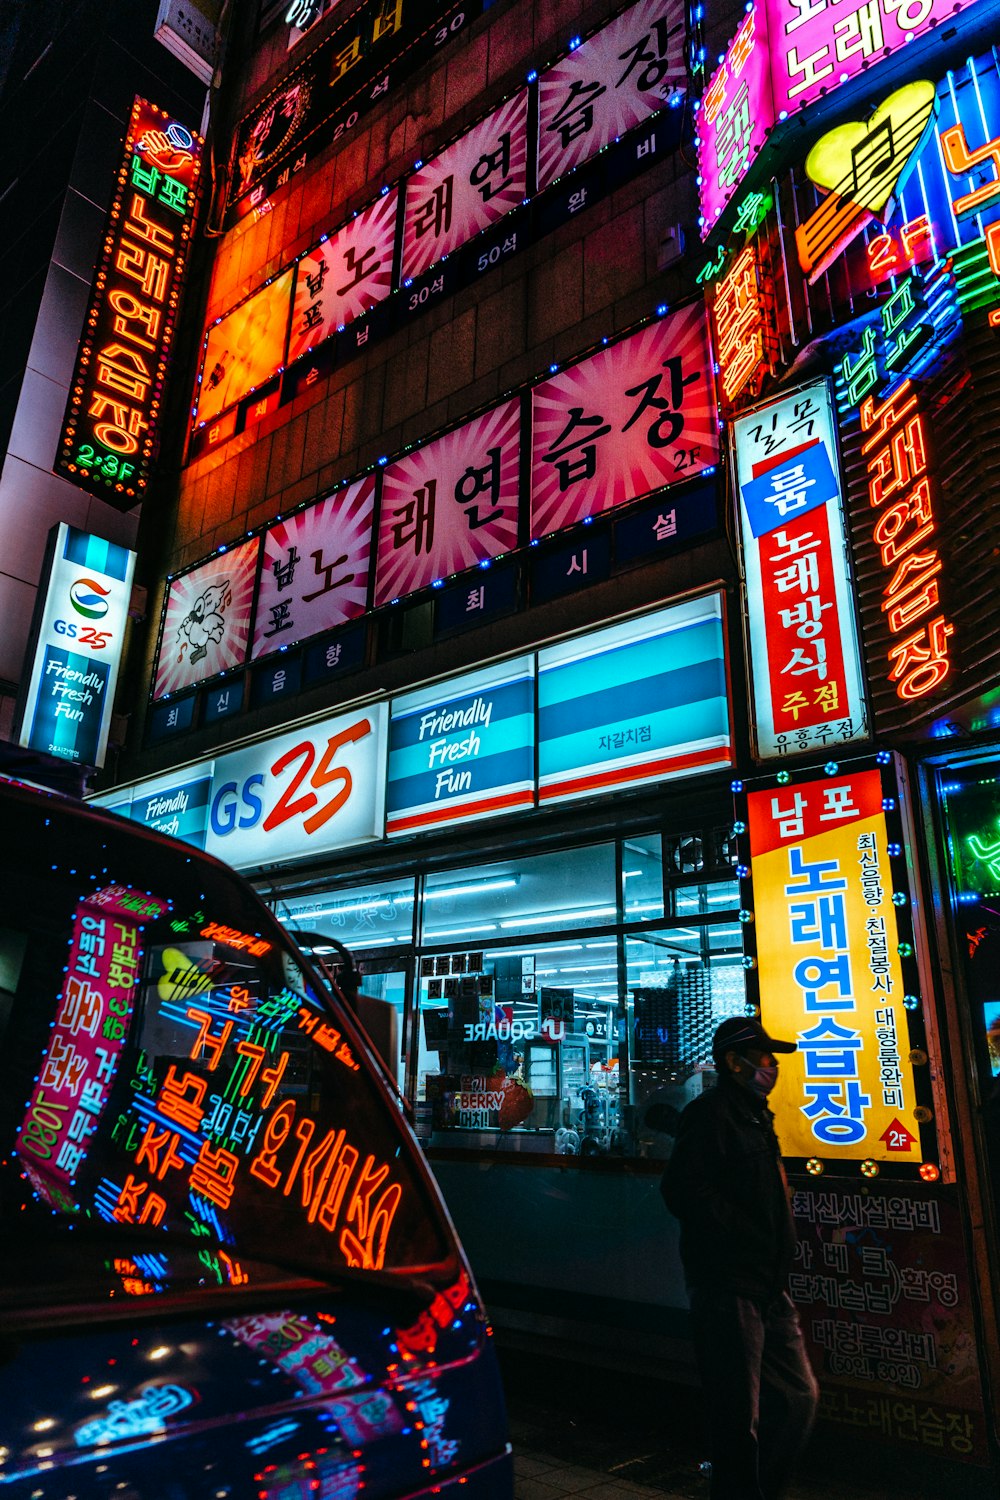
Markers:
{"x": 440, "y": 932}
{"x": 473, "y": 888}
{"x": 561, "y": 916}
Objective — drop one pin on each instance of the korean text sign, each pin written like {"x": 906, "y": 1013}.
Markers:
{"x": 79, "y": 647}
{"x": 206, "y": 622}
{"x": 617, "y": 78}
{"x": 638, "y": 702}
{"x": 315, "y": 568}
{"x": 449, "y": 504}
{"x": 112, "y": 420}
{"x": 735, "y": 116}
{"x": 87, "y": 1037}
{"x": 829, "y": 969}
{"x": 344, "y": 277}
{"x": 468, "y": 187}
{"x": 463, "y": 748}
{"x": 804, "y": 653}
{"x": 633, "y": 418}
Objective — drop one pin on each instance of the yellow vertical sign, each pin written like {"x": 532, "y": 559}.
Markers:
{"x": 829, "y": 970}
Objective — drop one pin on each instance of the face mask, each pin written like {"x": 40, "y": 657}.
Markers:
{"x": 763, "y": 1079}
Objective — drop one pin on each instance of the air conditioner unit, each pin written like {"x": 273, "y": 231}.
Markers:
{"x": 190, "y": 34}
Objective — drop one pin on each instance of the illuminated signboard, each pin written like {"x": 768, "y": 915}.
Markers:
{"x": 738, "y": 326}
{"x": 315, "y": 568}
{"x": 463, "y": 749}
{"x": 862, "y": 166}
{"x": 86, "y": 1039}
{"x": 634, "y": 417}
{"x": 829, "y": 962}
{"x": 346, "y": 275}
{"x": 804, "y": 655}
{"x": 245, "y": 348}
{"x": 901, "y": 487}
{"x": 78, "y": 647}
{"x": 450, "y": 504}
{"x": 614, "y": 80}
{"x": 465, "y": 189}
{"x": 111, "y": 427}
{"x": 734, "y": 116}
{"x": 643, "y": 701}
{"x": 815, "y": 45}
{"x": 206, "y": 619}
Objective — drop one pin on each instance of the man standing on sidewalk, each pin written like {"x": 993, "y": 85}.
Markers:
{"x": 726, "y": 1185}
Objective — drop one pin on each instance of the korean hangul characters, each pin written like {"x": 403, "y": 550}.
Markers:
{"x": 961, "y": 161}
{"x": 823, "y": 920}
{"x": 577, "y": 200}
{"x": 813, "y": 875}
{"x": 814, "y": 974}
{"x": 244, "y": 1130}
{"x": 904, "y": 333}
{"x": 804, "y": 617}
{"x": 789, "y": 488}
{"x": 790, "y": 818}
{"x": 138, "y": 1204}
{"x": 346, "y": 58}
{"x": 388, "y": 19}
{"x": 805, "y": 659}
{"x": 363, "y": 1240}
{"x": 416, "y": 519}
{"x": 64, "y": 1067}
{"x": 307, "y": 1021}
{"x": 481, "y": 481}
{"x": 213, "y": 1175}
{"x": 851, "y": 1298}
{"x": 656, "y": 63}
{"x": 214, "y": 1045}
{"x": 69, "y": 1157}
{"x": 860, "y": 371}
{"x": 159, "y": 1149}
{"x": 81, "y": 1009}
{"x": 91, "y": 940}
{"x": 836, "y": 1111}
{"x": 799, "y": 553}
{"x": 574, "y": 453}
{"x": 181, "y": 1098}
{"x": 105, "y": 1064}
{"x": 492, "y": 164}
{"x": 921, "y": 661}
{"x": 838, "y": 803}
{"x": 896, "y": 442}
{"x": 860, "y": 33}
{"x": 434, "y": 214}
{"x": 808, "y": 71}
{"x": 142, "y": 264}
{"x": 732, "y": 138}
{"x": 913, "y": 590}
{"x": 665, "y": 525}
{"x": 124, "y": 962}
{"x": 806, "y": 10}
{"x": 903, "y": 526}
{"x": 830, "y": 1050}
{"x": 575, "y": 115}
{"x": 909, "y": 14}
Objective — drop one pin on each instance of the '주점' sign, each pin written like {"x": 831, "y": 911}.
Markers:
{"x": 829, "y": 969}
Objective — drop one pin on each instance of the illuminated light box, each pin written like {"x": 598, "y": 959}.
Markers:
{"x": 467, "y": 187}
{"x": 643, "y": 701}
{"x": 463, "y": 749}
{"x": 246, "y": 348}
{"x": 803, "y": 635}
{"x": 734, "y": 116}
{"x": 449, "y": 504}
{"x": 206, "y": 620}
{"x": 345, "y": 277}
{"x": 112, "y": 424}
{"x": 315, "y": 568}
{"x": 616, "y": 79}
{"x": 829, "y": 969}
{"x": 84, "y": 598}
{"x": 632, "y": 418}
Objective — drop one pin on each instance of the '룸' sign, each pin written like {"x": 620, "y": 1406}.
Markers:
{"x": 112, "y": 417}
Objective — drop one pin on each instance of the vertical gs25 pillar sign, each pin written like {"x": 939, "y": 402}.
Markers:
{"x": 882, "y": 1278}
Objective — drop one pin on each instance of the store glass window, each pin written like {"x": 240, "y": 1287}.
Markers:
{"x": 642, "y": 878}
{"x": 518, "y": 897}
{"x": 362, "y": 917}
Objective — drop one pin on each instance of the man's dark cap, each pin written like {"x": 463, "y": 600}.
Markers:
{"x": 740, "y": 1032}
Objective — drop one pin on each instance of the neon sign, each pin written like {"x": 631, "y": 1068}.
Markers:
{"x": 111, "y": 426}
{"x": 735, "y": 115}
{"x": 738, "y": 323}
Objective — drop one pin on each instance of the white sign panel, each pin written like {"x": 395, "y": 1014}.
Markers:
{"x": 803, "y": 632}
{"x": 78, "y": 649}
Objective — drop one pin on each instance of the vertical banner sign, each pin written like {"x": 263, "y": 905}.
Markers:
{"x": 804, "y": 656}
{"x": 634, "y": 418}
{"x": 111, "y": 427}
{"x": 468, "y": 187}
{"x": 738, "y": 327}
{"x": 79, "y": 646}
{"x": 206, "y": 620}
{"x": 735, "y": 115}
{"x": 616, "y": 79}
{"x": 463, "y": 749}
{"x": 829, "y": 969}
{"x": 315, "y": 569}
{"x": 345, "y": 277}
{"x": 245, "y": 348}
{"x": 86, "y": 1039}
{"x": 450, "y": 504}
{"x": 816, "y": 45}
{"x": 638, "y": 702}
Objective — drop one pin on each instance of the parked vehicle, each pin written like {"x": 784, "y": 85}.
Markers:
{"x": 225, "y": 1269}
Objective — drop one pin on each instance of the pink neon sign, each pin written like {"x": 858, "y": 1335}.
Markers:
{"x": 735, "y": 116}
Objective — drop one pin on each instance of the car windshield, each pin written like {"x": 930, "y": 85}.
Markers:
{"x": 167, "y": 1064}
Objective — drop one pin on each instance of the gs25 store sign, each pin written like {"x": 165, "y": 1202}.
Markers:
{"x": 317, "y": 787}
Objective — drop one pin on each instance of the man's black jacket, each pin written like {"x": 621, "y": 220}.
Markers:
{"x": 725, "y": 1184}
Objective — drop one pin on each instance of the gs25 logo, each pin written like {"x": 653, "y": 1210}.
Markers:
{"x": 84, "y": 635}
{"x": 237, "y": 805}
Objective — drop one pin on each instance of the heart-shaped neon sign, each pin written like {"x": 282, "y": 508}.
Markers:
{"x": 868, "y": 161}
